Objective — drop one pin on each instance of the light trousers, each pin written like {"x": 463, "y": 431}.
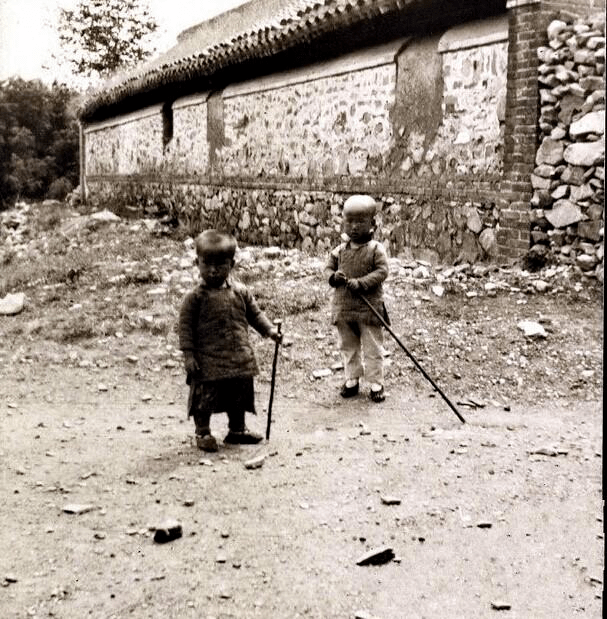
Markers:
{"x": 358, "y": 342}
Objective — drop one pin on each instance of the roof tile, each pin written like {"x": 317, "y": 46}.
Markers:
{"x": 296, "y": 21}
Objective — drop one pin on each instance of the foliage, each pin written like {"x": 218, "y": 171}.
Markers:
{"x": 99, "y": 37}
{"x": 38, "y": 140}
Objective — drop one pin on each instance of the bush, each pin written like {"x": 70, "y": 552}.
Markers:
{"x": 59, "y": 189}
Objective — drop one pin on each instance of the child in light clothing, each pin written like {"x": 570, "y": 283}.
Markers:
{"x": 358, "y": 267}
{"x": 213, "y": 335}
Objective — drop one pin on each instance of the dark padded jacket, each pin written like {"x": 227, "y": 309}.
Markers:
{"x": 213, "y": 323}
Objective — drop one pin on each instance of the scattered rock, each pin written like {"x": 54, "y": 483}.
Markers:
{"x": 12, "y": 303}
{"x": 77, "y": 508}
{"x": 390, "y": 500}
{"x": 532, "y": 329}
{"x": 323, "y": 373}
{"x": 484, "y": 524}
{"x": 363, "y": 614}
{"x": 500, "y": 605}
{"x": 104, "y": 216}
{"x": 544, "y": 451}
{"x": 168, "y": 531}
{"x": 377, "y": 556}
{"x": 255, "y": 463}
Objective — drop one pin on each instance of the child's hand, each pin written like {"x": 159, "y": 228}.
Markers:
{"x": 276, "y": 335}
{"x": 339, "y": 279}
{"x": 190, "y": 363}
{"x": 353, "y": 285}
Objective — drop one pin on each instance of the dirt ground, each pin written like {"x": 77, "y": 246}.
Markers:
{"x": 500, "y": 516}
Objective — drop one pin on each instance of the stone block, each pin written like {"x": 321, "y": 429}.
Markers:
{"x": 564, "y": 213}
{"x": 555, "y": 28}
{"x": 573, "y": 175}
{"x": 474, "y": 221}
{"x": 593, "y": 82}
{"x": 562, "y": 191}
{"x": 590, "y": 230}
{"x": 594, "y": 122}
{"x": 581, "y": 193}
{"x": 488, "y": 241}
{"x": 571, "y": 103}
{"x": 538, "y": 182}
{"x": 585, "y": 154}
{"x": 550, "y": 152}
{"x": 595, "y": 211}
{"x": 545, "y": 171}
{"x": 583, "y": 56}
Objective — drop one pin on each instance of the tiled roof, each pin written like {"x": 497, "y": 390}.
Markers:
{"x": 297, "y": 21}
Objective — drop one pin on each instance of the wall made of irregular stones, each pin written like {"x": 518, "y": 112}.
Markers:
{"x": 449, "y": 118}
{"x": 132, "y": 145}
{"x": 334, "y": 126}
{"x": 424, "y": 139}
{"x": 188, "y": 151}
{"x": 569, "y": 178}
{"x": 424, "y": 227}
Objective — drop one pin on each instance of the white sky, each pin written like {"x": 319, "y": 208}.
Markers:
{"x": 28, "y": 36}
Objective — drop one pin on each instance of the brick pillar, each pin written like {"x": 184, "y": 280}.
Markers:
{"x": 526, "y": 32}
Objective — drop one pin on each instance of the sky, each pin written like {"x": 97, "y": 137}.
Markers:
{"x": 28, "y": 34}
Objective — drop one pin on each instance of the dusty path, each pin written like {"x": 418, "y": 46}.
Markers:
{"x": 283, "y": 541}
{"x": 92, "y": 405}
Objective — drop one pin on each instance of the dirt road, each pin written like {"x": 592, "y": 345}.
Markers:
{"x": 478, "y": 520}
{"x": 501, "y": 516}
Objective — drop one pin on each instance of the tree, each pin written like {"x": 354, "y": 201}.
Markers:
{"x": 38, "y": 140}
{"x": 99, "y": 37}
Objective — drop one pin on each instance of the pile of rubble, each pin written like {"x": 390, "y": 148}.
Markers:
{"x": 177, "y": 272}
{"x": 569, "y": 177}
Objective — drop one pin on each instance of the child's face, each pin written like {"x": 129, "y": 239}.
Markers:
{"x": 214, "y": 269}
{"x": 358, "y": 225}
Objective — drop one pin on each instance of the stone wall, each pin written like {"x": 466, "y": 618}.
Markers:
{"x": 428, "y": 228}
{"x": 127, "y": 145}
{"x": 331, "y": 126}
{"x": 449, "y": 118}
{"x": 424, "y": 139}
{"x": 187, "y": 153}
{"x": 568, "y": 181}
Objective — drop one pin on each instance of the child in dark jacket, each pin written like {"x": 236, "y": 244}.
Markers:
{"x": 359, "y": 266}
{"x": 213, "y": 335}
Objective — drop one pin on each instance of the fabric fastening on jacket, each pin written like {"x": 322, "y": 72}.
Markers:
{"x": 213, "y": 323}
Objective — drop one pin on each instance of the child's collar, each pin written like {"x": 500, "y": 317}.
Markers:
{"x": 225, "y": 284}
{"x": 356, "y": 245}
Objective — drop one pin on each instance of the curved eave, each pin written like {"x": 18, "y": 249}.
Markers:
{"x": 316, "y": 22}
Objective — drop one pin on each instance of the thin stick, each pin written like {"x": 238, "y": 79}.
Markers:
{"x": 417, "y": 365}
{"x": 278, "y": 324}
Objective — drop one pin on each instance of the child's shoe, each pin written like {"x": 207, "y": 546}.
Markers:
{"x": 206, "y": 442}
{"x": 246, "y": 437}
{"x": 349, "y": 390}
{"x": 377, "y": 393}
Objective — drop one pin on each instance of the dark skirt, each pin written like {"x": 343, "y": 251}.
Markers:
{"x": 222, "y": 396}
